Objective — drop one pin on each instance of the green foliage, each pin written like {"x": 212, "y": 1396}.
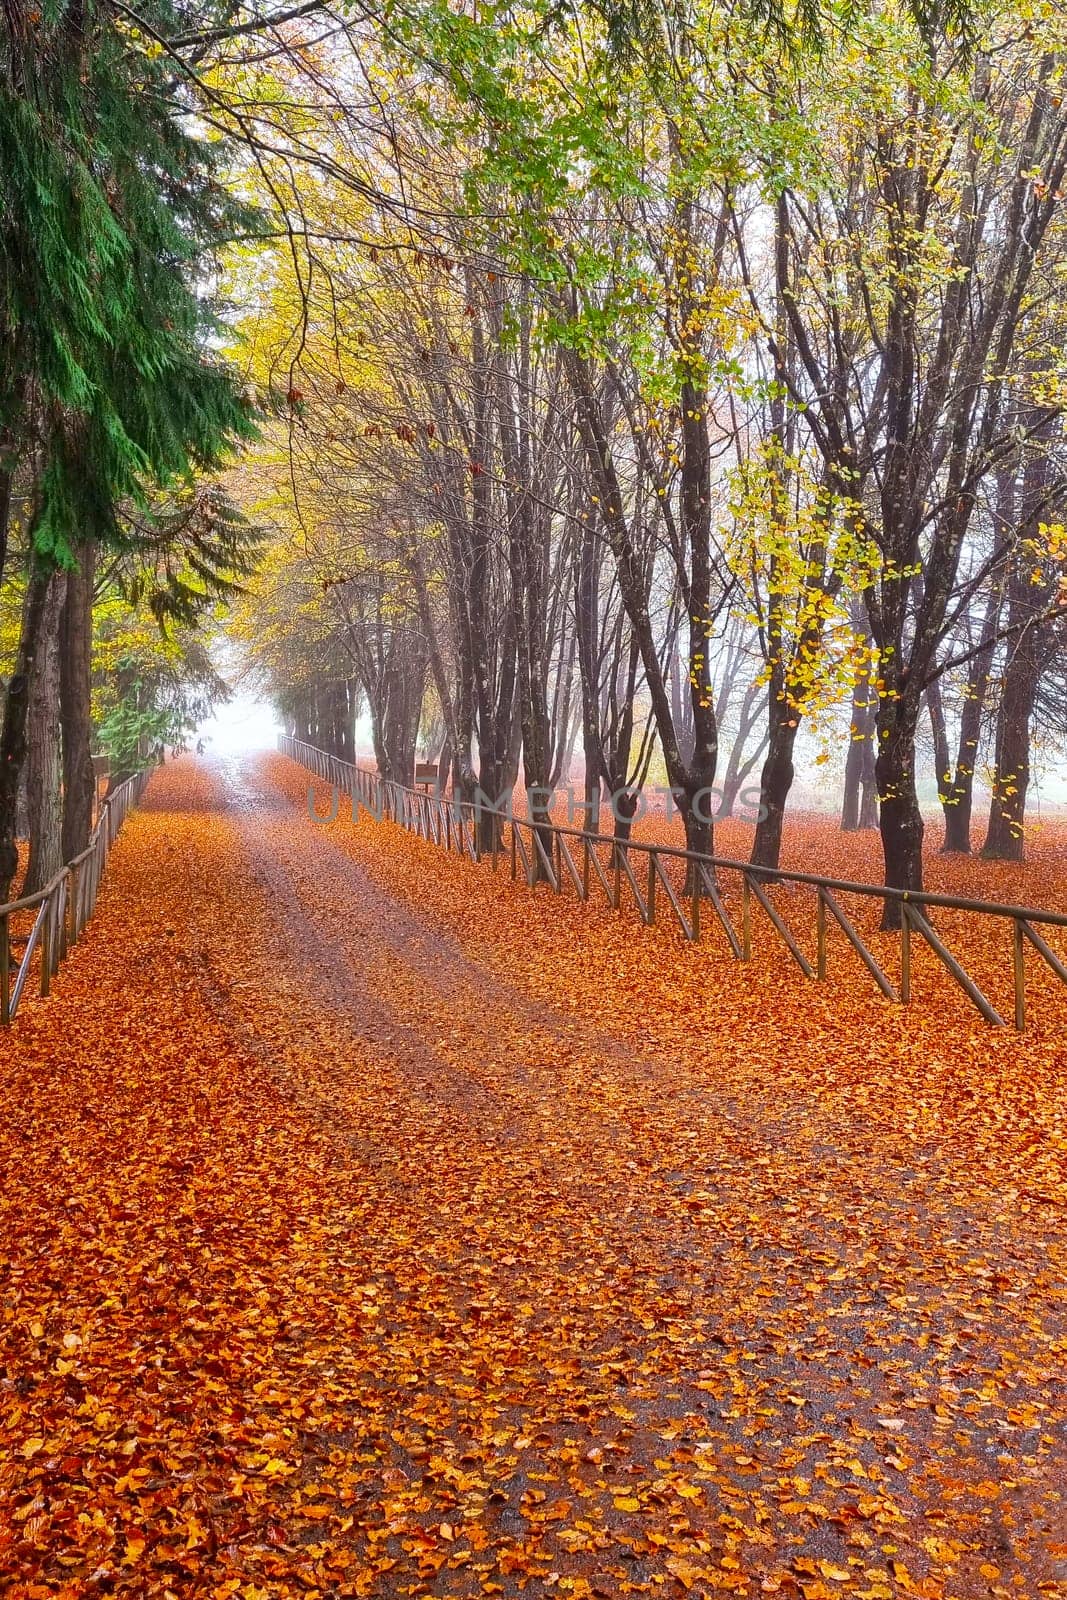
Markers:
{"x": 108, "y": 205}
{"x": 130, "y": 734}
{"x": 194, "y": 550}
{"x": 152, "y": 694}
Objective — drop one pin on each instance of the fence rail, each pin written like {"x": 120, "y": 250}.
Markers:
{"x": 541, "y": 851}
{"x": 57, "y": 913}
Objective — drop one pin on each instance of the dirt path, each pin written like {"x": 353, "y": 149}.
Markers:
{"x": 369, "y": 1228}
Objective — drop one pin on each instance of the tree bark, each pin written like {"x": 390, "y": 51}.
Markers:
{"x": 939, "y": 733}
{"x": 900, "y": 820}
{"x": 1011, "y": 777}
{"x": 12, "y": 441}
{"x": 868, "y": 788}
{"x": 1031, "y": 591}
{"x": 44, "y": 765}
{"x": 586, "y": 577}
{"x": 958, "y": 798}
{"x": 16, "y": 706}
{"x": 1007, "y": 811}
{"x": 76, "y": 633}
{"x": 623, "y": 809}
{"x": 699, "y": 833}
{"x": 775, "y": 783}
{"x": 348, "y": 733}
{"x": 681, "y": 707}
{"x": 859, "y": 805}
{"x": 6, "y": 476}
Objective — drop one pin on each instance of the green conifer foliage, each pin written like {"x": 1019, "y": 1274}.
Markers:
{"x": 110, "y": 205}
{"x": 111, "y": 388}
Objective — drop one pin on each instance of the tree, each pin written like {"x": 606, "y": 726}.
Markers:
{"x": 111, "y": 203}
{"x": 1032, "y": 637}
{"x": 44, "y": 771}
{"x": 795, "y": 549}
{"x": 536, "y": 337}
{"x": 917, "y": 248}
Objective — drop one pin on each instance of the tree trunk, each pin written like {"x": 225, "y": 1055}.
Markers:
{"x": 734, "y": 782}
{"x": 44, "y": 766}
{"x": 79, "y": 782}
{"x": 444, "y": 766}
{"x": 591, "y": 796}
{"x": 13, "y": 734}
{"x": 692, "y": 779}
{"x": 868, "y": 787}
{"x": 12, "y": 439}
{"x": 1031, "y": 592}
{"x": 858, "y": 735}
{"x": 1011, "y": 777}
{"x": 901, "y": 820}
{"x": 6, "y": 477}
{"x": 699, "y": 832}
{"x": 859, "y": 804}
{"x": 738, "y": 765}
{"x": 775, "y": 784}
{"x": 585, "y": 622}
{"x": 939, "y": 732}
{"x": 339, "y": 719}
{"x": 681, "y": 707}
{"x": 623, "y": 809}
{"x": 348, "y": 735}
{"x": 958, "y": 798}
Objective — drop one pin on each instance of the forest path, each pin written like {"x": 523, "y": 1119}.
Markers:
{"x": 371, "y": 1227}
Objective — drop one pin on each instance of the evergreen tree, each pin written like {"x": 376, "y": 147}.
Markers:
{"x": 111, "y": 204}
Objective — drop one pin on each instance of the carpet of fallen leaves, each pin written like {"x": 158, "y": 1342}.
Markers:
{"x": 372, "y": 1225}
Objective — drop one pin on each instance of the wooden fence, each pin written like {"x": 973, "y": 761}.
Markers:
{"x": 49, "y": 923}
{"x": 689, "y": 887}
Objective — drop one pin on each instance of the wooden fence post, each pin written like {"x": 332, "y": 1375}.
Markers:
{"x": 5, "y": 973}
{"x": 1019, "y": 973}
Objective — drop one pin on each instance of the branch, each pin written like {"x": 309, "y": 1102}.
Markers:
{"x": 181, "y": 41}
{"x": 989, "y": 644}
